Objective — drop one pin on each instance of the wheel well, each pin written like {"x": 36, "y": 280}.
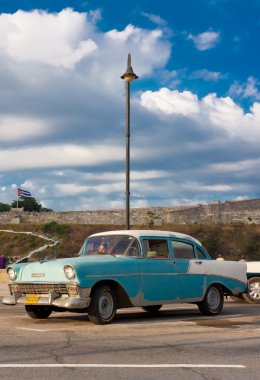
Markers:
{"x": 251, "y": 275}
{"x": 122, "y": 299}
{"x": 225, "y": 290}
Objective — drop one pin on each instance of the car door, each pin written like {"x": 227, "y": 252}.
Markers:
{"x": 158, "y": 272}
{"x": 190, "y": 269}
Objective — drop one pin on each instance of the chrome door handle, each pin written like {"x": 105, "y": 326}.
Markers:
{"x": 172, "y": 262}
{"x": 198, "y": 262}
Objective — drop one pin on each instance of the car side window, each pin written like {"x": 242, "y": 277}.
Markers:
{"x": 156, "y": 248}
{"x": 201, "y": 254}
{"x": 183, "y": 250}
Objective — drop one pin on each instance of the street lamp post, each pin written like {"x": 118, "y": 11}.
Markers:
{"x": 128, "y": 76}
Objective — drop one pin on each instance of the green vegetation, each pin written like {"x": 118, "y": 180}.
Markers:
{"x": 29, "y": 204}
{"x": 4, "y": 207}
{"x": 18, "y": 245}
{"x": 55, "y": 228}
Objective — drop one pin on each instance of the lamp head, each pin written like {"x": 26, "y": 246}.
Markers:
{"x": 129, "y": 75}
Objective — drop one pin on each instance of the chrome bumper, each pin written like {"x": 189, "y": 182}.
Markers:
{"x": 79, "y": 301}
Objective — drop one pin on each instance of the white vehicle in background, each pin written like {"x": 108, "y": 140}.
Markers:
{"x": 253, "y": 276}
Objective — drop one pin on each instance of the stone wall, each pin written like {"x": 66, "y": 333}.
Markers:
{"x": 247, "y": 211}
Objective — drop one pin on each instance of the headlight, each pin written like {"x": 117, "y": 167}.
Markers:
{"x": 11, "y": 274}
{"x": 69, "y": 272}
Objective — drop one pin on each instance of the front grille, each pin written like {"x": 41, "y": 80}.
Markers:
{"x": 41, "y": 288}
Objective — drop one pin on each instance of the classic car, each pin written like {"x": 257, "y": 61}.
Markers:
{"x": 118, "y": 269}
{"x": 253, "y": 289}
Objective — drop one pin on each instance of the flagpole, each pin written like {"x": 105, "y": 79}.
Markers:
{"x": 17, "y": 199}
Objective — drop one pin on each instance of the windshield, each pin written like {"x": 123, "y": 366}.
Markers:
{"x": 111, "y": 245}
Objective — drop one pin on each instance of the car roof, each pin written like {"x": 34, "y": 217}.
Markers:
{"x": 149, "y": 233}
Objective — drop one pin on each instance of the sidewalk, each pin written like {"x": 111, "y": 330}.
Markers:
{"x": 4, "y": 291}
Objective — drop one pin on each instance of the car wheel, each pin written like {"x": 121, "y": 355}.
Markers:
{"x": 102, "y": 309}
{"x": 253, "y": 290}
{"x": 152, "y": 308}
{"x": 213, "y": 301}
{"x": 38, "y": 312}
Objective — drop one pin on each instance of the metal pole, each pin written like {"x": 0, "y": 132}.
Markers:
{"x": 127, "y": 135}
{"x": 128, "y": 76}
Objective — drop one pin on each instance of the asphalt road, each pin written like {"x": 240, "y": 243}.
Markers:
{"x": 176, "y": 343}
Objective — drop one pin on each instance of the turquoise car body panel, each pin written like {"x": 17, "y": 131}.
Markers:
{"x": 158, "y": 280}
{"x": 190, "y": 285}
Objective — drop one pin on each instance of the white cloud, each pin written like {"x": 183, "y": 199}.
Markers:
{"x": 246, "y": 90}
{"x": 19, "y": 128}
{"x": 43, "y": 103}
{"x": 207, "y": 75}
{"x": 54, "y": 39}
{"x": 64, "y": 39}
{"x": 206, "y": 40}
{"x": 223, "y": 112}
{"x": 58, "y": 156}
{"x": 71, "y": 189}
{"x": 170, "y": 102}
{"x": 211, "y": 111}
{"x": 226, "y": 114}
{"x": 201, "y": 187}
{"x": 237, "y": 167}
{"x": 66, "y": 156}
{"x": 218, "y": 188}
{"x": 124, "y": 35}
{"x": 119, "y": 176}
{"x": 148, "y": 47}
{"x": 156, "y": 19}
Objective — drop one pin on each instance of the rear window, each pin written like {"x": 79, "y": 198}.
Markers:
{"x": 183, "y": 250}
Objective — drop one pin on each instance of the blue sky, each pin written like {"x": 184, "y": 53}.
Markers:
{"x": 195, "y": 109}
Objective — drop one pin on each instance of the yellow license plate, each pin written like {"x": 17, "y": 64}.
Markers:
{"x": 32, "y": 299}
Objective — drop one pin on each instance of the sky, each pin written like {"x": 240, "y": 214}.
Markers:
{"x": 195, "y": 109}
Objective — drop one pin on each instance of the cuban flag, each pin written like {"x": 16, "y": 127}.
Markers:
{"x": 23, "y": 193}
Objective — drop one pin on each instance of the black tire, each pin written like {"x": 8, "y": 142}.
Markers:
{"x": 102, "y": 309}
{"x": 253, "y": 290}
{"x": 38, "y": 312}
{"x": 152, "y": 308}
{"x": 213, "y": 301}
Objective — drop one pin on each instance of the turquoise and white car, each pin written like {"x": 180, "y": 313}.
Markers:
{"x": 119, "y": 269}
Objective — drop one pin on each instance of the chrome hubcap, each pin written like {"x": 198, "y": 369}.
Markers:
{"x": 105, "y": 305}
{"x": 213, "y": 298}
{"x": 254, "y": 290}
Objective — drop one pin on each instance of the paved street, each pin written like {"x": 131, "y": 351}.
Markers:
{"x": 177, "y": 343}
